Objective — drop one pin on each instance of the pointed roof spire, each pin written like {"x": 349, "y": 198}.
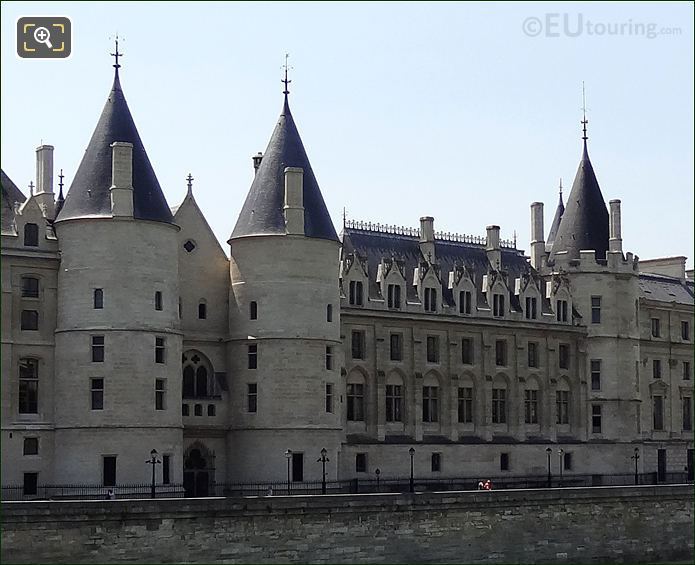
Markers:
{"x": 89, "y": 194}
{"x": 555, "y": 226}
{"x": 262, "y": 213}
{"x": 584, "y": 222}
{"x": 61, "y": 199}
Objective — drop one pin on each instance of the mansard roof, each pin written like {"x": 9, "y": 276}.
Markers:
{"x": 584, "y": 223}
{"x": 10, "y": 195}
{"x": 555, "y": 226}
{"x": 262, "y": 213}
{"x": 89, "y": 196}
{"x": 373, "y": 246}
{"x": 666, "y": 289}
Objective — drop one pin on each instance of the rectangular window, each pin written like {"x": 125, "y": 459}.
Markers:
{"x": 355, "y": 402}
{"x": 687, "y": 413}
{"x": 686, "y": 370}
{"x": 30, "y": 320}
{"x": 394, "y": 296}
{"x": 561, "y": 310}
{"x": 532, "y": 354}
{"x": 396, "y": 347}
{"x": 329, "y": 398}
{"x": 498, "y": 305}
{"x": 504, "y": 461}
{"x": 563, "y": 356}
{"x": 166, "y": 469}
{"x": 595, "y": 309}
{"x": 97, "y": 393}
{"x": 329, "y": 358}
{"x": 109, "y": 470}
{"x": 160, "y": 394}
{"x": 252, "y": 397}
{"x": 185, "y": 410}
{"x": 158, "y": 300}
{"x": 595, "y": 418}
{"x": 30, "y": 287}
{"x": 394, "y": 403}
{"x": 595, "y": 374}
{"x": 499, "y": 406}
{"x": 531, "y": 406}
{"x": 358, "y": 346}
{"x": 329, "y": 312}
{"x": 202, "y": 311}
{"x": 432, "y": 349}
{"x": 465, "y": 302}
{"x": 467, "y": 351}
{"x": 31, "y": 235}
{"x": 567, "y": 461}
{"x": 97, "y": 349}
{"x": 211, "y": 410}
{"x": 465, "y": 405}
{"x": 31, "y": 446}
{"x": 658, "y": 404}
{"x": 28, "y": 386}
{"x": 31, "y": 484}
{"x": 252, "y": 356}
{"x": 430, "y": 300}
{"x": 360, "y": 462}
{"x": 531, "y": 310}
{"x": 685, "y": 330}
{"x": 98, "y": 299}
{"x": 159, "y": 349}
{"x": 656, "y": 368}
{"x": 562, "y": 407}
{"x": 436, "y": 462}
{"x": 430, "y": 404}
{"x": 297, "y": 467}
{"x": 656, "y": 327}
{"x": 198, "y": 410}
{"x": 253, "y": 310}
{"x": 356, "y": 292}
{"x": 501, "y": 353}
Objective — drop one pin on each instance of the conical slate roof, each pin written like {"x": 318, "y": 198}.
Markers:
{"x": 89, "y": 196}
{"x": 555, "y": 226}
{"x": 10, "y": 195}
{"x": 584, "y": 223}
{"x": 262, "y": 213}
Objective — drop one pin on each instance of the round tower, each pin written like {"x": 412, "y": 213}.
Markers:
{"x": 118, "y": 346}
{"x": 284, "y": 349}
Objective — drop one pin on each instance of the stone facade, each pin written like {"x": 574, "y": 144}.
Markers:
{"x": 241, "y": 366}
{"x": 596, "y": 525}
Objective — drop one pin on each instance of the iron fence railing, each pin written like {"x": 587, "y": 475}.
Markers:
{"x": 350, "y": 486}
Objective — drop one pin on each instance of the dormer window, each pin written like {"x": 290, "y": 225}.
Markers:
{"x": 465, "y": 302}
{"x": 394, "y": 296}
{"x": 561, "y": 310}
{"x": 498, "y": 305}
{"x": 430, "y": 300}
{"x": 31, "y": 235}
{"x": 356, "y": 293}
{"x": 531, "y": 308}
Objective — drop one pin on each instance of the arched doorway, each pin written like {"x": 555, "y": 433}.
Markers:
{"x": 198, "y": 471}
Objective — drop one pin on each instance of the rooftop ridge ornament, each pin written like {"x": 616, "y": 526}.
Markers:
{"x": 116, "y": 55}
{"x": 286, "y": 81}
{"x": 31, "y": 187}
{"x": 189, "y": 180}
{"x": 584, "y": 120}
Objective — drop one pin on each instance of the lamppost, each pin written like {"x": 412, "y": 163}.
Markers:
{"x": 550, "y": 477}
{"x": 153, "y": 461}
{"x": 636, "y": 458}
{"x": 288, "y": 455}
{"x": 377, "y": 472}
{"x": 560, "y": 454}
{"x": 323, "y": 461}
{"x": 412, "y": 456}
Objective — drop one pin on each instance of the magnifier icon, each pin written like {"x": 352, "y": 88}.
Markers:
{"x": 42, "y": 35}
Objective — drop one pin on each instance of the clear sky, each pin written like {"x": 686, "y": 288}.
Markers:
{"x": 466, "y": 112}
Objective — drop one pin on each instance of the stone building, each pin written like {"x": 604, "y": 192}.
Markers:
{"x": 127, "y": 327}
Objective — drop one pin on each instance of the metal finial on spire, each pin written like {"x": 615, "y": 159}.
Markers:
{"x": 286, "y": 81}
{"x": 584, "y": 121}
{"x": 344, "y": 217}
{"x": 190, "y": 179}
{"x": 116, "y": 55}
{"x": 31, "y": 187}
{"x": 60, "y": 182}
{"x": 560, "y": 186}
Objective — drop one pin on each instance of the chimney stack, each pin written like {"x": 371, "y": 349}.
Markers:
{"x": 44, "y": 179}
{"x": 537, "y": 237}
{"x": 427, "y": 238}
{"x": 615, "y": 243}
{"x": 494, "y": 254}
{"x": 294, "y": 200}
{"x": 121, "y": 179}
